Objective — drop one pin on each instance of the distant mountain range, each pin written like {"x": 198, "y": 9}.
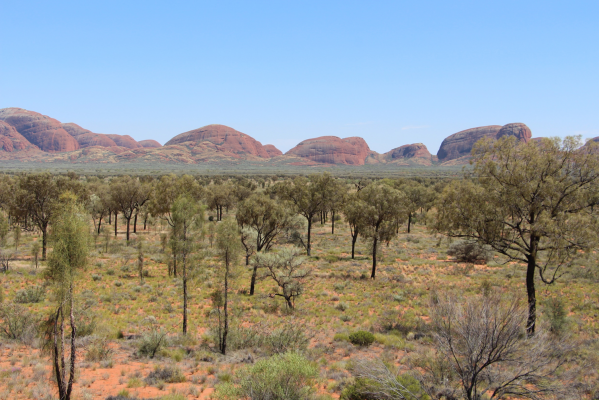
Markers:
{"x": 33, "y": 137}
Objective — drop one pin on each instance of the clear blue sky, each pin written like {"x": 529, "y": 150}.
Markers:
{"x": 392, "y": 72}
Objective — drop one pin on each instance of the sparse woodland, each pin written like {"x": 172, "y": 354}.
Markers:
{"x": 306, "y": 287}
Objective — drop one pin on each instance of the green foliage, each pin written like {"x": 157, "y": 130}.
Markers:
{"x": 17, "y": 322}
{"x": 286, "y": 376}
{"x": 3, "y": 228}
{"x": 361, "y": 338}
{"x": 557, "y": 315}
{"x": 98, "y": 350}
{"x": 31, "y": 294}
{"x": 469, "y": 252}
{"x": 168, "y": 374}
{"x": 150, "y": 343}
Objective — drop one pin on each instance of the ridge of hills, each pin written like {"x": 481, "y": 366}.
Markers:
{"x": 30, "y": 136}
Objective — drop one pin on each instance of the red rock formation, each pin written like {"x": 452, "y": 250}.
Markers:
{"x": 11, "y": 140}
{"x": 519, "y": 130}
{"x": 152, "y": 144}
{"x": 125, "y": 141}
{"x": 460, "y": 144}
{"x": 87, "y": 138}
{"x": 272, "y": 150}
{"x": 416, "y": 150}
{"x": 224, "y": 138}
{"x": 40, "y": 130}
{"x": 333, "y": 150}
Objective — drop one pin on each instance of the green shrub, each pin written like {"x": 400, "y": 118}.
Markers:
{"x": 98, "y": 350}
{"x": 32, "y": 294}
{"x": 96, "y": 277}
{"x": 287, "y": 376}
{"x": 150, "y": 343}
{"x": 17, "y": 322}
{"x": 168, "y": 374}
{"x": 361, "y": 338}
{"x": 557, "y": 315}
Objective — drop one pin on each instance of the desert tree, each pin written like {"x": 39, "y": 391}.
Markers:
{"x": 306, "y": 196}
{"x": 220, "y": 196}
{"x": 140, "y": 261}
{"x": 98, "y": 206}
{"x": 128, "y": 194}
{"x": 167, "y": 190}
{"x": 70, "y": 239}
{"x": 36, "y": 196}
{"x": 187, "y": 217}
{"x": 335, "y": 194}
{"x": 381, "y": 208}
{"x": 227, "y": 244}
{"x": 416, "y": 196}
{"x": 531, "y": 202}
{"x": 482, "y": 338}
{"x": 352, "y": 210}
{"x": 3, "y": 228}
{"x": 267, "y": 218}
{"x": 286, "y": 269}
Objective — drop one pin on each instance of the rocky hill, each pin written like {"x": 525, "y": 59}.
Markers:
{"x": 40, "y": 130}
{"x": 460, "y": 144}
{"x": 224, "y": 139}
{"x": 332, "y": 150}
{"x": 30, "y": 136}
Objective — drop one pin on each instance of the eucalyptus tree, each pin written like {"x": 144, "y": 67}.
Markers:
{"x": 187, "y": 218}
{"x": 220, "y": 196}
{"x": 167, "y": 190}
{"x": 267, "y": 218}
{"x": 70, "y": 239}
{"x": 306, "y": 196}
{"x": 534, "y": 203}
{"x": 227, "y": 244}
{"x": 128, "y": 194}
{"x": 381, "y": 208}
{"x": 35, "y": 199}
{"x": 352, "y": 210}
{"x": 286, "y": 269}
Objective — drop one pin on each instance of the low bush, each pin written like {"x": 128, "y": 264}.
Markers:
{"x": 32, "y": 294}
{"x": 98, "y": 350}
{"x": 469, "y": 252}
{"x": 361, "y": 338}
{"x": 17, "y": 323}
{"x": 150, "y": 343}
{"x": 168, "y": 374}
{"x": 287, "y": 376}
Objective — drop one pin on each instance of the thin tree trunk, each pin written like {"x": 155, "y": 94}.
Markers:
{"x": 128, "y": 226}
{"x": 73, "y": 349}
{"x": 44, "y": 241}
{"x": 374, "y": 244}
{"x": 308, "y": 245}
{"x": 226, "y": 312}
{"x": 110, "y": 218}
{"x": 135, "y": 224}
{"x": 532, "y": 301}
{"x": 184, "y": 299}
{"x": 99, "y": 224}
{"x": 409, "y": 221}
{"x": 116, "y": 222}
{"x": 354, "y": 237}
{"x": 145, "y": 221}
{"x": 253, "y": 281}
{"x": 333, "y": 222}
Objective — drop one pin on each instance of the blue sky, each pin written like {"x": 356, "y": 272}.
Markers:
{"x": 392, "y": 72}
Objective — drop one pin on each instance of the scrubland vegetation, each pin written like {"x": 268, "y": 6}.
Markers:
{"x": 306, "y": 287}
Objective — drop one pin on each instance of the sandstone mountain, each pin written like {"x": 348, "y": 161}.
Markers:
{"x": 30, "y": 136}
{"x": 40, "y": 130}
{"x": 332, "y": 150}
{"x": 224, "y": 139}
{"x": 460, "y": 144}
{"x": 13, "y": 141}
{"x": 87, "y": 138}
{"x": 152, "y": 144}
{"x": 272, "y": 150}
